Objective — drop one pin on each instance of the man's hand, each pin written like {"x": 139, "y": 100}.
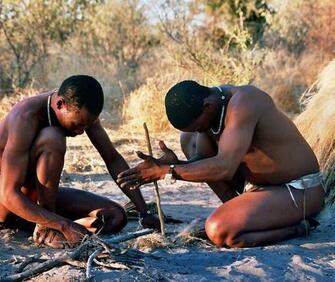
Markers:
{"x": 71, "y": 236}
{"x": 150, "y": 221}
{"x": 147, "y": 171}
{"x": 169, "y": 157}
{"x": 74, "y": 233}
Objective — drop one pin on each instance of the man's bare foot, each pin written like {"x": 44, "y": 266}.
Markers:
{"x": 49, "y": 237}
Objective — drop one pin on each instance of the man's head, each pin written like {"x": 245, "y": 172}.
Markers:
{"x": 188, "y": 106}
{"x": 79, "y": 102}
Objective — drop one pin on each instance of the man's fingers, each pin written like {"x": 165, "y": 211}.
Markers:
{"x": 142, "y": 156}
{"x": 135, "y": 187}
{"x": 127, "y": 172}
{"x": 40, "y": 233}
{"x": 163, "y": 147}
{"x": 133, "y": 184}
{"x": 133, "y": 177}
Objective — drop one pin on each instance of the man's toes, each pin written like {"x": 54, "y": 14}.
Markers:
{"x": 56, "y": 240}
{"x": 49, "y": 237}
{"x": 40, "y": 234}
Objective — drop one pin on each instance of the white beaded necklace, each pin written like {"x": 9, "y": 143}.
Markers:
{"x": 48, "y": 110}
{"x": 222, "y": 114}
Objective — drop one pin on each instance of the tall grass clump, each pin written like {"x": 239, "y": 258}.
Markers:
{"x": 317, "y": 124}
{"x": 146, "y": 104}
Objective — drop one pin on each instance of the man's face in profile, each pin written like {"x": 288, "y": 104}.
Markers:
{"x": 200, "y": 124}
{"x": 75, "y": 120}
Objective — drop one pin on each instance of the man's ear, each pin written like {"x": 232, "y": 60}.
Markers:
{"x": 208, "y": 103}
{"x": 60, "y": 103}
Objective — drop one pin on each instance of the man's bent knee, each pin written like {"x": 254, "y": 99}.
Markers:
{"x": 214, "y": 232}
{"x": 220, "y": 233}
{"x": 188, "y": 143}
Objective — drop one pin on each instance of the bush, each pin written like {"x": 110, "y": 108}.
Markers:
{"x": 298, "y": 44}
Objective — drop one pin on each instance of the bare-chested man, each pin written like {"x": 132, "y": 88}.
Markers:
{"x": 233, "y": 135}
{"x": 32, "y": 149}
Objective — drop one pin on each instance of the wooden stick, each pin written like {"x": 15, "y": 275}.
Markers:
{"x": 102, "y": 243}
{"x": 111, "y": 265}
{"x": 158, "y": 198}
{"x": 27, "y": 262}
{"x": 89, "y": 262}
{"x": 46, "y": 265}
{"x": 129, "y": 236}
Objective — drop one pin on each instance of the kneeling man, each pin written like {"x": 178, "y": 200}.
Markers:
{"x": 32, "y": 149}
{"x": 250, "y": 154}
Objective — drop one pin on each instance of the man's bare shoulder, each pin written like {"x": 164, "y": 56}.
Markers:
{"x": 21, "y": 113}
{"x": 29, "y": 107}
{"x": 22, "y": 120}
{"x": 249, "y": 97}
{"x": 248, "y": 103}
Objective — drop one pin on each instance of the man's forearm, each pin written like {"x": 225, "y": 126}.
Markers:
{"x": 191, "y": 160}
{"x": 203, "y": 170}
{"x": 20, "y": 205}
{"x": 134, "y": 195}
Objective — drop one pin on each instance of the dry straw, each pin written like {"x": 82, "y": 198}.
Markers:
{"x": 146, "y": 104}
{"x": 317, "y": 124}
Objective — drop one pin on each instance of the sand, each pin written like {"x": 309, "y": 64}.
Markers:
{"x": 302, "y": 259}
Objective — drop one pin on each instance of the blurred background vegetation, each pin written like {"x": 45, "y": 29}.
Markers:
{"x": 138, "y": 49}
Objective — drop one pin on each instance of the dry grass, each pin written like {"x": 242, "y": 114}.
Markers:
{"x": 299, "y": 45}
{"x": 320, "y": 15}
{"x": 317, "y": 124}
{"x": 146, "y": 104}
{"x": 285, "y": 77}
{"x": 190, "y": 235}
{"x": 151, "y": 242}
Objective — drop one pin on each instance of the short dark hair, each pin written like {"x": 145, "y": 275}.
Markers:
{"x": 184, "y": 102}
{"x": 83, "y": 91}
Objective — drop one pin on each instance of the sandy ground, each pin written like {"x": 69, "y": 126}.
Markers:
{"x": 303, "y": 259}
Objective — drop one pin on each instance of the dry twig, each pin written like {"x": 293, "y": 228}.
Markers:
{"x": 129, "y": 236}
{"x": 158, "y": 198}
{"x": 47, "y": 264}
{"x": 89, "y": 262}
{"x": 97, "y": 245}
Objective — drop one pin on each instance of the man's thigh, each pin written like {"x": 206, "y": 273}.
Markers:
{"x": 268, "y": 208}
{"x": 75, "y": 203}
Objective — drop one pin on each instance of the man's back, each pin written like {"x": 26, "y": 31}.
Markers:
{"x": 30, "y": 109}
{"x": 278, "y": 152}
